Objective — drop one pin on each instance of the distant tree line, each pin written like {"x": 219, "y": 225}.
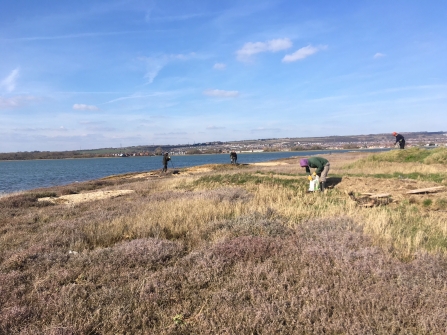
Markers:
{"x": 303, "y": 148}
{"x": 206, "y": 151}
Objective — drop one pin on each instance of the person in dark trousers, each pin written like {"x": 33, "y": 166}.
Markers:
{"x": 399, "y": 139}
{"x": 166, "y": 159}
{"x": 322, "y": 168}
{"x": 233, "y": 157}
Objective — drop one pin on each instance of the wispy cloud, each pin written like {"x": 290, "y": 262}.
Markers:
{"x": 134, "y": 96}
{"x": 16, "y": 101}
{"x": 71, "y": 36}
{"x": 30, "y": 129}
{"x": 105, "y": 129}
{"x": 87, "y": 123}
{"x": 83, "y": 107}
{"x": 155, "y": 64}
{"x": 330, "y": 98}
{"x": 221, "y": 93}
{"x": 379, "y": 55}
{"x": 150, "y": 18}
{"x": 214, "y": 127}
{"x": 9, "y": 83}
{"x": 353, "y": 114}
{"x": 219, "y": 66}
{"x": 303, "y": 53}
{"x": 172, "y": 133}
{"x": 262, "y": 129}
{"x": 252, "y": 48}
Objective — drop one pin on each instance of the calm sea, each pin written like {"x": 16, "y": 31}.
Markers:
{"x": 26, "y": 175}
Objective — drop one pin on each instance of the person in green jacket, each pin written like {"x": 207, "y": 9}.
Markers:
{"x": 322, "y": 168}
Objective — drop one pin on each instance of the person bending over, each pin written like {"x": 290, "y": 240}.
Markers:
{"x": 399, "y": 139}
{"x": 322, "y": 168}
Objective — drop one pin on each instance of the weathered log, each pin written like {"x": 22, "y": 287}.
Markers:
{"x": 378, "y": 195}
{"x": 426, "y": 190}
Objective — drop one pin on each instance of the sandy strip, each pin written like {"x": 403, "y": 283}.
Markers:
{"x": 270, "y": 163}
{"x": 84, "y": 197}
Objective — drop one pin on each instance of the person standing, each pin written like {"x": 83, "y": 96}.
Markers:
{"x": 233, "y": 157}
{"x": 166, "y": 159}
{"x": 399, "y": 139}
{"x": 322, "y": 168}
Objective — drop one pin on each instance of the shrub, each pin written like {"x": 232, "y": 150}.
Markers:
{"x": 24, "y": 200}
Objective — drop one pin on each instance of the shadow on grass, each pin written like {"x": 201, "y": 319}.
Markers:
{"x": 333, "y": 181}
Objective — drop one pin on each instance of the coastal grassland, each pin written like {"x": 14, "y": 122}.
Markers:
{"x": 229, "y": 251}
{"x": 413, "y": 163}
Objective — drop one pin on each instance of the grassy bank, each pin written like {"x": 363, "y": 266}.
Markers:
{"x": 229, "y": 250}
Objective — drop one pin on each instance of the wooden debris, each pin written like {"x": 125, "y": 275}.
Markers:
{"x": 426, "y": 190}
{"x": 379, "y": 195}
{"x": 370, "y": 199}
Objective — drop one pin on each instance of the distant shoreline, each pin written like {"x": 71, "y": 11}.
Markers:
{"x": 204, "y": 154}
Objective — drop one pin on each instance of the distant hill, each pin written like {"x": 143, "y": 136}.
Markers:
{"x": 266, "y": 144}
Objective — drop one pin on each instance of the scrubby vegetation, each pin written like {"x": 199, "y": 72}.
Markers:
{"x": 235, "y": 250}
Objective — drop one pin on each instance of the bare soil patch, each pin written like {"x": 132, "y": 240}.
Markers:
{"x": 71, "y": 199}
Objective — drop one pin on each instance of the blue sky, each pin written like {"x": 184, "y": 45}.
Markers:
{"x": 94, "y": 74}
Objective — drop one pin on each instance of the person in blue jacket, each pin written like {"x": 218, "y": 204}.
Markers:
{"x": 399, "y": 139}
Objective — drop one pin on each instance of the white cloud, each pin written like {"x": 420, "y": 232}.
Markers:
{"x": 9, "y": 83}
{"x": 15, "y": 102}
{"x": 252, "y": 48}
{"x": 379, "y": 55}
{"x": 221, "y": 93}
{"x": 302, "y": 53}
{"x": 219, "y": 66}
{"x": 83, "y": 107}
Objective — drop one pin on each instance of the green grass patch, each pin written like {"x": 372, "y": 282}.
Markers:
{"x": 414, "y": 155}
{"x": 434, "y": 177}
{"x": 247, "y": 178}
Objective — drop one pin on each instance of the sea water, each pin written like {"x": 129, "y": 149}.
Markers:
{"x": 30, "y": 174}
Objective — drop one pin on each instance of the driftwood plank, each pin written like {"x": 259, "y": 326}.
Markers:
{"x": 381, "y": 195}
{"x": 378, "y": 195}
{"x": 426, "y": 190}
